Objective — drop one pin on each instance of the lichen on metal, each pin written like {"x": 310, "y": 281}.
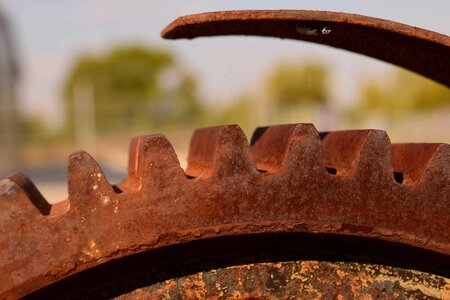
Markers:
{"x": 300, "y": 280}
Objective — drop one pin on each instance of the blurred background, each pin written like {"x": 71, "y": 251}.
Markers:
{"x": 92, "y": 74}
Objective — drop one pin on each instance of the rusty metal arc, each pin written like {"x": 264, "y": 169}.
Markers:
{"x": 422, "y": 51}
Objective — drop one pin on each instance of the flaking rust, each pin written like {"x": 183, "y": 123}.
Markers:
{"x": 293, "y": 214}
{"x": 300, "y": 280}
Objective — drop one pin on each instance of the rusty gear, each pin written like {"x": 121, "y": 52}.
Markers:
{"x": 296, "y": 213}
{"x": 290, "y": 180}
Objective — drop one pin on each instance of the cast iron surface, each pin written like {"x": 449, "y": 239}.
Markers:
{"x": 422, "y": 51}
{"x": 281, "y": 183}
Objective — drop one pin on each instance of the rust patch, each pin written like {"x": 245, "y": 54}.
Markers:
{"x": 301, "y": 280}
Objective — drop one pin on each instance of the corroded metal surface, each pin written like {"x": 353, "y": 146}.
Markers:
{"x": 300, "y": 280}
{"x": 419, "y": 50}
{"x": 220, "y": 228}
{"x": 290, "y": 179}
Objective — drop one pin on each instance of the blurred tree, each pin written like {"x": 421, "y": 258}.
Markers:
{"x": 296, "y": 91}
{"x": 405, "y": 94}
{"x": 33, "y": 129}
{"x": 131, "y": 87}
{"x": 299, "y": 84}
{"x": 236, "y": 112}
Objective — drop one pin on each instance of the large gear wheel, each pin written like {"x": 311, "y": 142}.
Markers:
{"x": 304, "y": 200}
{"x": 293, "y": 214}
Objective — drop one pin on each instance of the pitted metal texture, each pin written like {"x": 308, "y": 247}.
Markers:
{"x": 281, "y": 183}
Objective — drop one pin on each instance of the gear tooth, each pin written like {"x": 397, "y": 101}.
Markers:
{"x": 221, "y": 151}
{"x": 155, "y": 162}
{"x": 86, "y": 180}
{"x": 412, "y": 171}
{"x": 132, "y": 182}
{"x": 439, "y": 165}
{"x": 291, "y": 146}
{"x": 365, "y": 153}
{"x": 24, "y": 193}
{"x": 430, "y": 160}
{"x": 133, "y": 152}
{"x": 269, "y": 146}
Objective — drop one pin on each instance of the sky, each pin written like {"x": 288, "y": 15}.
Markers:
{"x": 50, "y": 34}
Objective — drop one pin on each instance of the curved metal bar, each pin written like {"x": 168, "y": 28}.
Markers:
{"x": 419, "y": 50}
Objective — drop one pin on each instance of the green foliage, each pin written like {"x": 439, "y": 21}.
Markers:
{"x": 32, "y": 128}
{"x": 406, "y": 94}
{"x": 236, "y": 112}
{"x": 133, "y": 71}
{"x": 129, "y": 90}
{"x": 294, "y": 84}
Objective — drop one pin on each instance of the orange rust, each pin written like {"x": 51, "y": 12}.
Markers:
{"x": 422, "y": 51}
{"x": 292, "y": 193}
{"x": 161, "y": 206}
{"x": 300, "y": 279}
